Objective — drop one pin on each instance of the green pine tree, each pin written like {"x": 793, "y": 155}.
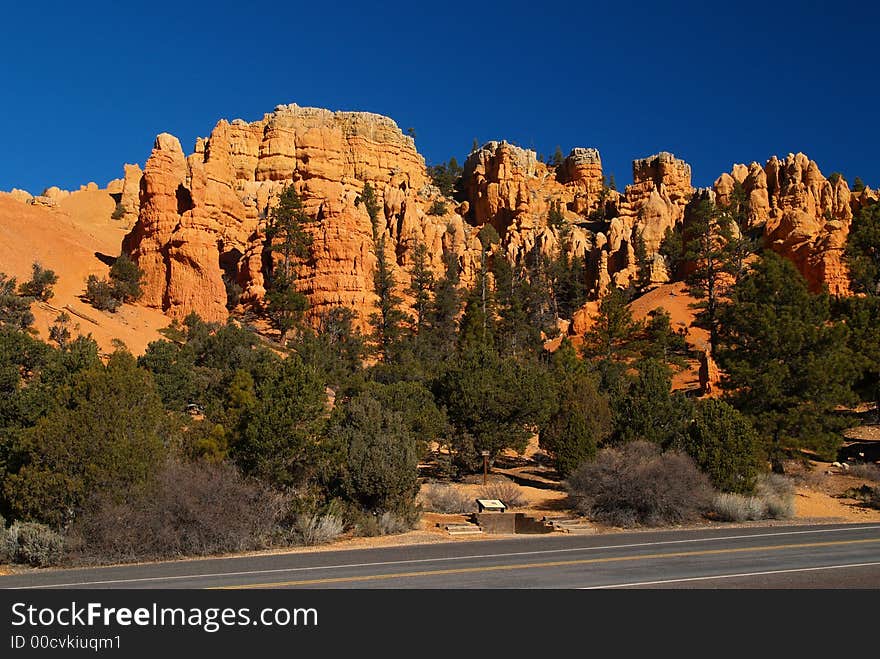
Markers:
{"x": 40, "y": 284}
{"x": 724, "y": 444}
{"x": 787, "y": 364}
{"x": 387, "y": 322}
{"x": 289, "y": 244}
{"x": 649, "y": 410}
{"x": 863, "y": 250}
{"x": 708, "y": 234}
{"x": 421, "y": 285}
{"x": 580, "y": 423}
{"x": 442, "y": 315}
{"x": 15, "y": 309}
{"x": 614, "y": 332}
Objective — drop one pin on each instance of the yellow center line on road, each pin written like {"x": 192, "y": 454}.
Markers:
{"x": 534, "y": 566}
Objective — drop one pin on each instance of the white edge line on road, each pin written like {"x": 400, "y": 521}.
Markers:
{"x": 728, "y": 576}
{"x": 431, "y": 560}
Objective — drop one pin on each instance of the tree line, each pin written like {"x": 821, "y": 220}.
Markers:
{"x": 333, "y": 423}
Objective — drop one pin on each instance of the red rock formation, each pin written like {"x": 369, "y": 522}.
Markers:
{"x": 804, "y": 216}
{"x": 199, "y": 217}
{"x": 709, "y": 374}
{"x": 131, "y": 191}
{"x": 163, "y": 195}
{"x": 496, "y": 179}
{"x": 582, "y": 170}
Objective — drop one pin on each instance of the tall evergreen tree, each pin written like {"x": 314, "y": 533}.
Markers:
{"x": 288, "y": 243}
{"x": 659, "y": 341}
{"x": 580, "y": 422}
{"x": 378, "y": 457}
{"x": 442, "y": 316}
{"x": 672, "y": 250}
{"x": 568, "y": 282}
{"x": 447, "y": 177}
{"x": 519, "y": 319}
{"x": 278, "y": 435}
{"x": 388, "y": 320}
{"x": 614, "y": 331}
{"x": 787, "y": 364}
{"x": 707, "y": 237}
{"x": 643, "y": 263}
{"x": 724, "y": 444}
{"x": 863, "y": 250}
{"x": 493, "y": 401}
{"x": 103, "y": 435}
{"x": 861, "y": 313}
{"x": 336, "y": 349}
{"x": 649, "y": 410}
{"x": 421, "y": 285}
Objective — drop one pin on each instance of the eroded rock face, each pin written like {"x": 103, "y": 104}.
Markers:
{"x": 199, "y": 217}
{"x": 709, "y": 374}
{"x": 655, "y": 202}
{"x": 163, "y": 199}
{"x": 657, "y": 198}
{"x": 496, "y": 182}
{"x": 130, "y": 197}
{"x": 804, "y": 216}
{"x": 21, "y": 195}
{"x": 582, "y": 170}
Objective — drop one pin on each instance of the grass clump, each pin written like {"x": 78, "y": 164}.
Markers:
{"x": 773, "y": 499}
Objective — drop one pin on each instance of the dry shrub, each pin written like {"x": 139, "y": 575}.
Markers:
{"x": 867, "y": 470}
{"x": 870, "y": 496}
{"x": 637, "y": 484}
{"x": 506, "y": 492}
{"x": 444, "y": 498}
{"x": 314, "y": 529}
{"x": 814, "y": 478}
{"x": 195, "y": 509}
{"x": 389, "y": 522}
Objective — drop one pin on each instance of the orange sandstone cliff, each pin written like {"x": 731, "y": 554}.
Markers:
{"x": 195, "y": 222}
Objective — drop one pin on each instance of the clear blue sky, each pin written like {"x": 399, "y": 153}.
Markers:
{"x": 86, "y": 87}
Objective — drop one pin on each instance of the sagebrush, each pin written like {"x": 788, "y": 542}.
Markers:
{"x": 773, "y": 499}
{"x": 444, "y": 498}
{"x": 315, "y": 529}
{"x": 34, "y": 544}
{"x": 867, "y": 470}
{"x": 508, "y": 493}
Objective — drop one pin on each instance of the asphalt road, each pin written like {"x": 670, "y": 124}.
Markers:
{"x": 826, "y": 556}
